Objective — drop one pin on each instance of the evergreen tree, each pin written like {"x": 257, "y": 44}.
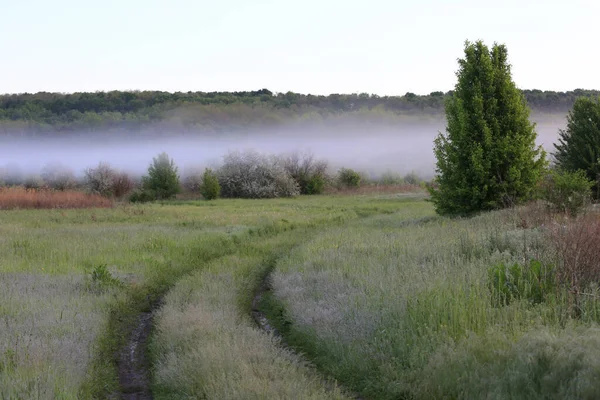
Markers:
{"x": 578, "y": 146}
{"x": 210, "y": 188}
{"x": 488, "y": 158}
{"x": 162, "y": 180}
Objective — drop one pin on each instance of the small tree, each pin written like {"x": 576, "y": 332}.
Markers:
{"x": 253, "y": 175}
{"x": 162, "y": 179}
{"x": 210, "y": 188}
{"x": 349, "y": 178}
{"x": 100, "y": 180}
{"x": 122, "y": 184}
{"x": 488, "y": 158}
{"x": 308, "y": 172}
{"x": 59, "y": 177}
{"x": 567, "y": 192}
{"x": 578, "y": 146}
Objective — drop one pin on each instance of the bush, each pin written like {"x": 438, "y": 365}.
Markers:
{"x": 192, "y": 180}
{"x": 412, "y": 178}
{"x": 100, "y": 180}
{"x": 308, "y": 173}
{"x": 58, "y": 177}
{"x": 142, "y": 196}
{"x": 315, "y": 185}
{"x": 33, "y": 182}
{"x": 252, "y": 175}
{"x": 107, "y": 182}
{"x": 210, "y": 188}
{"x": 162, "y": 180}
{"x": 391, "y": 178}
{"x": 567, "y": 192}
{"x": 576, "y": 245}
{"x": 533, "y": 282}
{"x": 349, "y": 178}
{"x": 122, "y": 184}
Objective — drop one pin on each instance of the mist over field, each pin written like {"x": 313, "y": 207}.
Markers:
{"x": 372, "y": 149}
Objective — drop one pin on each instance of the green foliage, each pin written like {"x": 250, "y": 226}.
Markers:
{"x": 578, "y": 146}
{"x": 391, "y": 178}
{"x": 412, "y": 178}
{"x": 567, "y": 192}
{"x": 532, "y": 282}
{"x": 210, "y": 188}
{"x": 116, "y": 110}
{"x": 162, "y": 179}
{"x": 488, "y": 158}
{"x": 315, "y": 185}
{"x": 307, "y": 172}
{"x": 349, "y": 178}
{"x": 142, "y": 196}
{"x": 101, "y": 278}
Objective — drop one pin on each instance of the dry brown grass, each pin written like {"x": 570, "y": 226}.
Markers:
{"x": 21, "y": 198}
{"x": 375, "y": 189}
{"x": 577, "y": 245}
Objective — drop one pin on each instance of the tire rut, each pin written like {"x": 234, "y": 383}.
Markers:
{"x": 134, "y": 375}
{"x": 260, "y": 318}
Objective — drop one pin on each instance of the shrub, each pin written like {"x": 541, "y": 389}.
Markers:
{"x": 308, "y": 173}
{"x": 576, "y": 245}
{"x": 33, "y": 182}
{"x": 101, "y": 279}
{"x": 315, "y": 185}
{"x": 100, "y": 180}
{"x": 193, "y": 180}
{"x": 210, "y": 188}
{"x": 252, "y": 175}
{"x": 142, "y": 196}
{"x": 349, "y": 178}
{"x": 533, "y": 282}
{"x": 59, "y": 177}
{"x": 412, "y": 178}
{"x": 567, "y": 192}
{"x": 122, "y": 184}
{"x": 391, "y": 178}
{"x": 162, "y": 180}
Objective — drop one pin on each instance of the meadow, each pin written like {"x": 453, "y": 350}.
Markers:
{"x": 74, "y": 281}
{"x": 373, "y": 294}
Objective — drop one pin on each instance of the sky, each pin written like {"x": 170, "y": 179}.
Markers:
{"x": 384, "y": 47}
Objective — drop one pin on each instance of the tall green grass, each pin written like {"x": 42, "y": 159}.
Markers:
{"x": 60, "y": 329}
{"x": 400, "y": 306}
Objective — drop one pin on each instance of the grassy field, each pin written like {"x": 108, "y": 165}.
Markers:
{"x": 73, "y": 281}
{"x": 401, "y": 306}
{"x": 381, "y": 297}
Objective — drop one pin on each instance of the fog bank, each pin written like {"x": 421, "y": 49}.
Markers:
{"x": 375, "y": 149}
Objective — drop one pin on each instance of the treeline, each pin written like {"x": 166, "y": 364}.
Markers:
{"x": 215, "y": 111}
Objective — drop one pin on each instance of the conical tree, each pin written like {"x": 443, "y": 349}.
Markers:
{"x": 487, "y": 159}
{"x": 578, "y": 146}
{"x": 162, "y": 179}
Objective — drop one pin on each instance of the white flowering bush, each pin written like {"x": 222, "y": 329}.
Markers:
{"x": 252, "y": 175}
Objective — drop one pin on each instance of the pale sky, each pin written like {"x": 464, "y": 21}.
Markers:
{"x": 307, "y": 46}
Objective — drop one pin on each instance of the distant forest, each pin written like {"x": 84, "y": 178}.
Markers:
{"x": 220, "y": 111}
